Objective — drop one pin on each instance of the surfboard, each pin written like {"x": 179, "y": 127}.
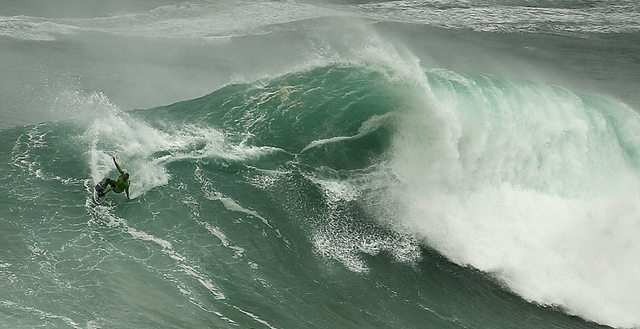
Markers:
{"x": 97, "y": 197}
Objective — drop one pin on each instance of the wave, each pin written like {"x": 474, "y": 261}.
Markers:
{"x": 206, "y": 20}
{"x": 533, "y": 184}
{"x": 218, "y": 22}
{"x": 33, "y": 29}
{"x": 546, "y": 17}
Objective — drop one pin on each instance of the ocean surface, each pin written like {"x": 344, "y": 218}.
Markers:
{"x": 320, "y": 164}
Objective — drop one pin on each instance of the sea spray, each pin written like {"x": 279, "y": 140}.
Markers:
{"x": 529, "y": 183}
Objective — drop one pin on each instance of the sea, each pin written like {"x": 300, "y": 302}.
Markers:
{"x": 320, "y": 164}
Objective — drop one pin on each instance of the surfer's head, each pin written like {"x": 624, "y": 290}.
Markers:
{"x": 126, "y": 176}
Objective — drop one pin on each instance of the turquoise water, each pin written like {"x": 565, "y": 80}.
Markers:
{"x": 362, "y": 186}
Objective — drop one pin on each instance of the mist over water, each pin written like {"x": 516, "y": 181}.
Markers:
{"x": 320, "y": 165}
{"x": 534, "y": 184}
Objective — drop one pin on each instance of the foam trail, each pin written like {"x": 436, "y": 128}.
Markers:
{"x": 532, "y": 183}
{"x": 367, "y": 127}
{"x": 228, "y": 203}
{"x": 216, "y": 231}
{"x": 239, "y": 251}
{"x": 167, "y": 248}
{"x": 17, "y": 307}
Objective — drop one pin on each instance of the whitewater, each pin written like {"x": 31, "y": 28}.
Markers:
{"x": 346, "y": 164}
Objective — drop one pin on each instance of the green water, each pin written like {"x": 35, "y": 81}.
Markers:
{"x": 334, "y": 164}
{"x": 281, "y": 204}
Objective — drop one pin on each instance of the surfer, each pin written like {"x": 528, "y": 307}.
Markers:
{"x": 117, "y": 185}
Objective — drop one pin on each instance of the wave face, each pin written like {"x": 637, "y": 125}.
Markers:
{"x": 340, "y": 196}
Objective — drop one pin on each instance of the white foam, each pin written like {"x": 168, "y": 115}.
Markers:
{"x": 223, "y": 239}
{"x": 167, "y": 249}
{"x": 212, "y": 21}
{"x": 366, "y": 128}
{"x": 141, "y": 149}
{"x": 18, "y": 307}
{"x": 528, "y": 183}
{"x": 486, "y": 16}
{"x": 334, "y": 238}
{"x": 227, "y": 202}
{"x": 33, "y": 29}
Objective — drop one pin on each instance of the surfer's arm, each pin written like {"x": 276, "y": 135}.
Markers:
{"x": 118, "y": 166}
{"x": 127, "y": 190}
